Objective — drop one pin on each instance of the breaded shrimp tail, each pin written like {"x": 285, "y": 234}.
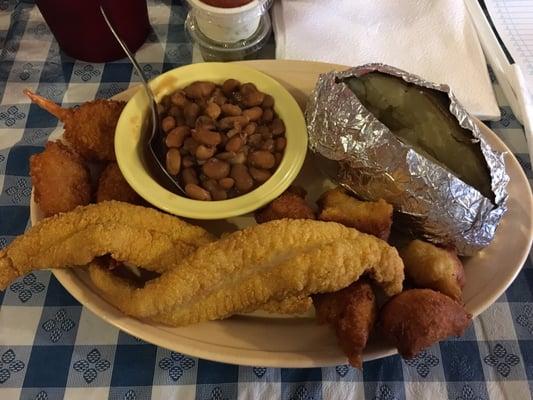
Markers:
{"x": 257, "y": 265}
{"x": 55, "y": 109}
{"x": 89, "y": 128}
{"x": 134, "y": 234}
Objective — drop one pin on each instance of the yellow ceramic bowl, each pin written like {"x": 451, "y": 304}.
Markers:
{"x": 131, "y": 127}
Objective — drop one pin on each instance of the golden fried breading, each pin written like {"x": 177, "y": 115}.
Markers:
{"x": 291, "y": 204}
{"x": 60, "y": 178}
{"x": 292, "y": 305}
{"x": 351, "y": 312}
{"x": 113, "y": 186}
{"x": 251, "y": 267}
{"x": 417, "y": 318}
{"x": 372, "y": 217}
{"x": 89, "y": 128}
{"x": 428, "y": 266}
{"x": 138, "y": 235}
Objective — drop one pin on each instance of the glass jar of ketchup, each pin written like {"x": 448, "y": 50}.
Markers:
{"x": 82, "y": 33}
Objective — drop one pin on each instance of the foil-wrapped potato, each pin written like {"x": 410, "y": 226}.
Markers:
{"x": 394, "y": 136}
{"x": 420, "y": 118}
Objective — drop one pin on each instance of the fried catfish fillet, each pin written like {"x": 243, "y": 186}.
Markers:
{"x": 417, "y": 318}
{"x": 137, "y": 235}
{"x": 251, "y": 267}
{"x": 374, "y": 218}
{"x": 428, "y": 266}
{"x": 290, "y": 204}
{"x": 351, "y": 312}
{"x": 89, "y": 128}
{"x": 60, "y": 178}
{"x": 113, "y": 186}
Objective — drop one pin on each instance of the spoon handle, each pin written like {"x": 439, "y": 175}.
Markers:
{"x": 154, "y": 163}
{"x": 128, "y": 53}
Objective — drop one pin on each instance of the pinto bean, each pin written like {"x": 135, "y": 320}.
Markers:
{"x": 199, "y": 89}
{"x": 231, "y": 122}
{"x": 226, "y": 155}
{"x": 231, "y": 109}
{"x": 204, "y": 152}
{"x": 168, "y": 123}
{"x": 277, "y": 127}
{"x": 268, "y": 101}
{"x": 213, "y": 110}
{"x": 176, "y": 136}
{"x": 281, "y": 143}
{"x": 190, "y": 145}
{"x": 260, "y": 175}
{"x": 268, "y": 145}
{"x": 243, "y": 179}
{"x": 253, "y": 114}
{"x": 226, "y": 183}
{"x": 173, "y": 161}
{"x": 216, "y": 169}
{"x": 179, "y": 99}
{"x": 268, "y": 115}
{"x": 234, "y": 144}
{"x": 207, "y": 137}
{"x": 196, "y": 192}
{"x": 229, "y": 86}
{"x": 239, "y": 158}
{"x": 252, "y": 99}
{"x": 261, "y": 159}
{"x": 191, "y": 112}
{"x": 187, "y": 162}
{"x": 250, "y": 128}
{"x": 189, "y": 176}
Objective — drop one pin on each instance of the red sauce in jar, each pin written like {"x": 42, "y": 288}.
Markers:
{"x": 226, "y": 3}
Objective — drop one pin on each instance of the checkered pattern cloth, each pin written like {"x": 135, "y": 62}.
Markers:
{"x": 52, "y": 348}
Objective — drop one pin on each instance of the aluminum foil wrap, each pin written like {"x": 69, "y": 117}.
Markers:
{"x": 371, "y": 162}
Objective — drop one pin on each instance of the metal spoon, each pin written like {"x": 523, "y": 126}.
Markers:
{"x": 155, "y": 142}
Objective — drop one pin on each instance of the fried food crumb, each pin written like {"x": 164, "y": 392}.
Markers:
{"x": 417, "y": 318}
{"x": 351, "y": 312}
{"x": 60, "y": 178}
{"x": 428, "y": 266}
{"x": 291, "y": 204}
{"x": 113, "y": 186}
{"x": 374, "y": 218}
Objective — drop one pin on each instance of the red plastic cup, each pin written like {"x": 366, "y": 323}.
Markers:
{"x": 82, "y": 33}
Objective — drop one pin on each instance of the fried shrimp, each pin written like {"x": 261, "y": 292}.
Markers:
{"x": 60, "y": 179}
{"x": 89, "y": 128}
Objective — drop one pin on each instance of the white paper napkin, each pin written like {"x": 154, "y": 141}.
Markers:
{"x": 431, "y": 38}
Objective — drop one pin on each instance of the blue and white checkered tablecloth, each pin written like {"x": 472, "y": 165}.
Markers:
{"x": 52, "y": 348}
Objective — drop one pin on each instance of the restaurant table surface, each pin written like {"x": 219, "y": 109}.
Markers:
{"x": 52, "y": 348}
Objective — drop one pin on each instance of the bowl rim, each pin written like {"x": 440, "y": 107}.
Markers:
{"x": 129, "y": 151}
{"x": 221, "y": 11}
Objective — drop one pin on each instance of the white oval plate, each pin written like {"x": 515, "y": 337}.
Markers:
{"x": 262, "y": 340}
